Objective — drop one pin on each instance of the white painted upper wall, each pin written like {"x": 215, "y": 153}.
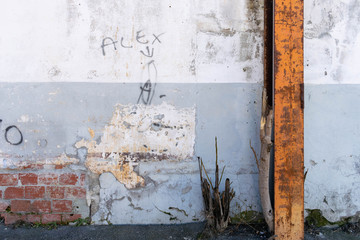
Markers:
{"x": 332, "y": 41}
{"x": 199, "y": 41}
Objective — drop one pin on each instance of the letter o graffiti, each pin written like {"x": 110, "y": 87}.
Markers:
{"x": 6, "y": 135}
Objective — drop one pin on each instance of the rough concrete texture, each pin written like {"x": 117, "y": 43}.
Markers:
{"x": 332, "y": 50}
{"x": 160, "y": 81}
{"x": 190, "y": 70}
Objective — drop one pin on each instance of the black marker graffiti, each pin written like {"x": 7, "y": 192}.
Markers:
{"x": 122, "y": 39}
{"x": 156, "y": 38}
{"x": 103, "y": 45}
{"x": 148, "y": 52}
{"x": 7, "y": 131}
{"x": 147, "y": 89}
{"x": 6, "y": 135}
{"x": 138, "y": 37}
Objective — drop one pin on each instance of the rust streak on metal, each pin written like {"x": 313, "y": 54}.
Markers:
{"x": 289, "y": 117}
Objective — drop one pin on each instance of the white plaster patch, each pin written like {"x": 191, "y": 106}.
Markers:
{"x": 141, "y": 133}
{"x": 332, "y": 42}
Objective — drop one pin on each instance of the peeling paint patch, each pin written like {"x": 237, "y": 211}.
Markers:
{"x": 10, "y": 162}
{"x": 141, "y": 133}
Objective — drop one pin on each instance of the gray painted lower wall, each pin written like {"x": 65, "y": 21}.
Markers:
{"x": 54, "y": 117}
{"x": 332, "y": 149}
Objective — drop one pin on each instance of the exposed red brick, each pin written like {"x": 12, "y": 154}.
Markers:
{"x": 20, "y": 205}
{"x": 59, "y": 166}
{"x": 28, "y": 178}
{"x": 82, "y": 179}
{"x": 41, "y": 206}
{"x": 11, "y": 218}
{"x": 3, "y": 205}
{"x": 48, "y": 179}
{"x": 32, "y": 192}
{"x": 8, "y": 179}
{"x": 68, "y": 179}
{"x": 75, "y": 192}
{"x": 62, "y": 206}
{"x": 48, "y": 218}
{"x": 55, "y": 192}
{"x": 14, "y": 192}
{"x": 33, "y": 218}
{"x": 70, "y": 217}
{"x": 33, "y": 166}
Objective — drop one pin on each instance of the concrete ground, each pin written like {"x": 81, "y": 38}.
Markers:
{"x": 183, "y": 231}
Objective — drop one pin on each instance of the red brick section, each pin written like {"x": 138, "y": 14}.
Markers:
{"x": 61, "y": 205}
{"x": 28, "y": 178}
{"x": 60, "y": 166}
{"x": 3, "y": 205}
{"x": 33, "y": 192}
{"x": 33, "y": 218}
{"x": 68, "y": 179}
{"x": 55, "y": 192}
{"x": 20, "y": 205}
{"x": 11, "y": 218}
{"x": 82, "y": 179}
{"x": 41, "y": 206}
{"x": 70, "y": 217}
{"x": 48, "y": 218}
{"x": 75, "y": 192}
{"x": 48, "y": 179}
{"x": 14, "y": 193}
{"x": 33, "y": 166}
{"x": 8, "y": 179}
{"x": 40, "y": 197}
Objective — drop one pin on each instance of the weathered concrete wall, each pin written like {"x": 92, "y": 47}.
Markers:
{"x": 332, "y": 116}
{"x": 106, "y": 104}
{"x": 109, "y": 103}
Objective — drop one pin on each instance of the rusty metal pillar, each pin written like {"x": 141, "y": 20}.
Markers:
{"x": 288, "y": 119}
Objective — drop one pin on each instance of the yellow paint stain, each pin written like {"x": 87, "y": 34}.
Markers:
{"x": 123, "y": 172}
{"x": 116, "y": 33}
{"x": 91, "y": 132}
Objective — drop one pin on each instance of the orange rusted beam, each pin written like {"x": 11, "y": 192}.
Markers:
{"x": 289, "y": 119}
